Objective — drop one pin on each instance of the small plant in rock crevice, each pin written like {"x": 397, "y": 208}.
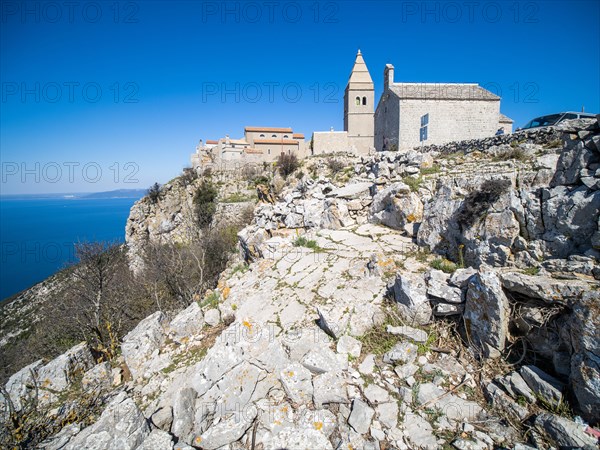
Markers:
{"x": 444, "y": 265}
{"x": 301, "y": 241}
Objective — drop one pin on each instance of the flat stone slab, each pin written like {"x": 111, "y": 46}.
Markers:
{"x": 297, "y": 383}
{"x": 361, "y": 416}
{"x": 542, "y": 384}
{"x": 453, "y": 407}
{"x": 351, "y": 191}
{"x": 409, "y": 332}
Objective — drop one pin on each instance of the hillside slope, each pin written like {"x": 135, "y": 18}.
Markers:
{"x": 442, "y": 298}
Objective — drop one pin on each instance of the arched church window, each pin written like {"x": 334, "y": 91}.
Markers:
{"x": 274, "y": 136}
{"x": 358, "y": 100}
{"x": 262, "y": 135}
{"x": 364, "y": 100}
{"x": 286, "y": 136}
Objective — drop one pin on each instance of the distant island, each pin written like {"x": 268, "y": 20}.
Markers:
{"x": 118, "y": 193}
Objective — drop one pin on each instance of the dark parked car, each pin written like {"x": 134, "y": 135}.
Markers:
{"x": 555, "y": 119}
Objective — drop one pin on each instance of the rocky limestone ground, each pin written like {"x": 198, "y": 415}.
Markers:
{"x": 172, "y": 219}
{"x": 437, "y": 299}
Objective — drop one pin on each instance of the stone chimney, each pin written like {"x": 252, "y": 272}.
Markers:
{"x": 388, "y": 76}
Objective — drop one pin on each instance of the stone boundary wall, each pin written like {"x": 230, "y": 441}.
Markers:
{"x": 537, "y": 136}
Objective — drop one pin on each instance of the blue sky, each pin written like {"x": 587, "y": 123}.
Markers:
{"x": 96, "y": 97}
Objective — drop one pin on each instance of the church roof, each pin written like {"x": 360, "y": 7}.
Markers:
{"x": 275, "y": 141}
{"x": 442, "y": 91}
{"x": 253, "y": 151}
{"x": 269, "y": 129}
{"x": 360, "y": 73}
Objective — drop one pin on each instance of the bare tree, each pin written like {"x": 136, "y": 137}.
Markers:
{"x": 104, "y": 299}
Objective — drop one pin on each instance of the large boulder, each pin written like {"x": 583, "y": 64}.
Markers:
{"x": 335, "y": 215}
{"x": 410, "y": 293}
{"x": 183, "y": 414}
{"x": 486, "y": 313}
{"x": 570, "y": 219}
{"x": 438, "y": 231}
{"x": 584, "y": 337}
{"x": 139, "y": 344}
{"x": 564, "y": 432}
{"x": 396, "y": 206}
{"x": 122, "y": 425}
{"x": 572, "y": 160}
{"x": 61, "y": 372}
{"x": 188, "y": 322}
{"x": 19, "y": 385}
{"x": 549, "y": 290}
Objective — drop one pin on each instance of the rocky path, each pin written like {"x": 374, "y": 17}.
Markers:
{"x": 298, "y": 365}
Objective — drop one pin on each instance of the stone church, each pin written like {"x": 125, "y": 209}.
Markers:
{"x": 407, "y": 115}
{"x": 410, "y": 114}
{"x": 413, "y": 114}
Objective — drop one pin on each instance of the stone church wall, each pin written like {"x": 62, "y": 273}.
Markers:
{"x": 449, "y": 120}
{"x": 330, "y": 142}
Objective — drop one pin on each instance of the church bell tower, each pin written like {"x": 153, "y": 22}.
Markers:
{"x": 359, "y": 99}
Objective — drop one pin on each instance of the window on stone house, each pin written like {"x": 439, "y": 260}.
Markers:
{"x": 274, "y": 136}
{"x": 262, "y": 135}
{"x": 358, "y": 100}
{"x": 364, "y": 100}
{"x": 269, "y": 151}
{"x": 286, "y": 136}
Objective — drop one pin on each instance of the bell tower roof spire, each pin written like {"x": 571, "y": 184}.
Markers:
{"x": 360, "y": 73}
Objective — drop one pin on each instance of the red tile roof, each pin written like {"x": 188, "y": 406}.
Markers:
{"x": 276, "y": 141}
{"x": 212, "y": 142}
{"x": 269, "y": 129}
{"x": 298, "y": 136}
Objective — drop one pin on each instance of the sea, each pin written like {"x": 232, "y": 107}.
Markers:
{"x": 38, "y": 233}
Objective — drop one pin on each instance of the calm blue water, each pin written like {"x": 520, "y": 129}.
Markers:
{"x": 37, "y": 234}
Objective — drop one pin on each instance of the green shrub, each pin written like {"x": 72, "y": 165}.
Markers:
{"x": 431, "y": 170}
{"x": 188, "y": 176}
{"x": 515, "y": 153}
{"x": 153, "y": 192}
{"x": 444, "y": 265}
{"x": 531, "y": 271}
{"x": 413, "y": 183}
{"x": 211, "y": 300}
{"x": 238, "y": 197}
{"x": 335, "y": 165}
{"x": 287, "y": 163}
{"x": 261, "y": 179}
{"x": 205, "y": 204}
{"x": 241, "y": 267}
{"x": 301, "y": 241}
